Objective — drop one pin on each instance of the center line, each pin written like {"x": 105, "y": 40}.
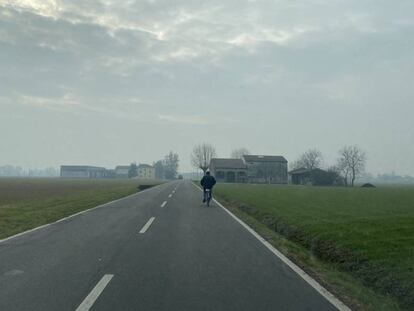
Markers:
{"x": 164, "y": 203}
{"x": 147, "y": 225}
{"x": 94, "y": 294}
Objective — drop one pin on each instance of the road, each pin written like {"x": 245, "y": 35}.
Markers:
{"x": 160, "y": 249}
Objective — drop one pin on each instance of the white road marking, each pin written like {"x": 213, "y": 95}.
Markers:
{"x": 170, "y": 196}
{"x": 94, "y": 294}
{"x": 308, "y": 279}
{"x": 77, "y": 214}
{"x": 147, "y": 225}
{"x": 164, "y": 203}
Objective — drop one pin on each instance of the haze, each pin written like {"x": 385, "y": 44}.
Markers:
{"x": 110, "y": 82}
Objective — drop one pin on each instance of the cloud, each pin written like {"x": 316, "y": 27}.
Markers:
{"x": 215, "y": 64}
{"x": 183, "y": 119}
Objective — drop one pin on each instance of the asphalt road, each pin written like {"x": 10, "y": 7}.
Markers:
{"x": 141, "y": 253}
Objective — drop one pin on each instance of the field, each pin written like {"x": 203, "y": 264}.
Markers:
{"x": 27, "y": 203}
{"x": 366, "y": 233}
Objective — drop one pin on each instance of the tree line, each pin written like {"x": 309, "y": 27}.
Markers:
{"x": 166, "y": 168}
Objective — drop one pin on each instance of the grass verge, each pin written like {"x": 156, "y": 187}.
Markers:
{"x": 316, "y": 238}
{"x": 29, "y": 203}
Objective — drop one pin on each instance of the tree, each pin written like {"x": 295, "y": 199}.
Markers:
{"x": 351, "y": 162}
{"x": 202, "y": 155}
{"x": 133, "y": 170}
{"x": 171, "y": 161}
{"x": 310, "y": 160}
{"x": 159, "y": 169}
{"x": 239, "y": 152}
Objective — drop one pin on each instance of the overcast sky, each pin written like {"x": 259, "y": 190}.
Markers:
{"x": 110, "y": 82}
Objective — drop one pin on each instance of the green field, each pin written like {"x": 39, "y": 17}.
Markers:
{"x": 26, "y": 203}
{"x": 366, "y": 233}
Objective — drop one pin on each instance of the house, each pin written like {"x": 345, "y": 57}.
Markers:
{"x": 82, "y": 171}
{"x": 315, "y": 177}
{"x": 266, "y": 169}
{"x": 251, "y": 168}
{"x": 121, "y": 171}
{"x": 146, "y": 171}
{"x": 229, "y": 170}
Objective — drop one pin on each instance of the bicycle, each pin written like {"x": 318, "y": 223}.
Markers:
{"x": 207, "y": 196}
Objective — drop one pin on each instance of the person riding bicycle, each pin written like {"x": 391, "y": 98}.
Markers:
{"x": 207, "y": 182}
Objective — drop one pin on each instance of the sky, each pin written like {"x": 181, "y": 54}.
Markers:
{"x": 110, "y": 82}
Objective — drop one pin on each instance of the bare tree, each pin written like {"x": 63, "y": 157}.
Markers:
{"x": 202, "y": 155}
{"x": 239, "y": 152}
{"x": 351, "y": 163}
{"x": 310, "y": 159}
{"x": 170, "y": 163}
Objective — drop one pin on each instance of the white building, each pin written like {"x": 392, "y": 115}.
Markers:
{"x": 121, "y": 171}
{"x": 146, "y": 171}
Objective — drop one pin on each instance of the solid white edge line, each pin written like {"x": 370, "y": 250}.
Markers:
{"x": 164, "y": 203}
{"x": 88, "y": 302}
{"x": 147, "y": 225}
{"x": 312, "y": 282}
{"x": 77, "y": 214}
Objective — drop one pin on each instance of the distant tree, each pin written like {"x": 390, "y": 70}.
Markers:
{"x": 202, "y": 155}
{"x": 310, "y": 159}
{"x": 351, "y": 162}
{"x": 159, "y": 169}
{"x": 171, "y": 161}
{"x": 133, "y": 170}
{"x": 239, "y": 152}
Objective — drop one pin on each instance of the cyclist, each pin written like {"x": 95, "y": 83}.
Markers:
{"x": 207, "y": 182}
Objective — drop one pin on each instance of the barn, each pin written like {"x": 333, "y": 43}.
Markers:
{"x": 251, "y": 168}
{"x": 82, "y": 171}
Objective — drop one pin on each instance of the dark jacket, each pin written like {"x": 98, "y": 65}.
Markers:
{"x": 208, "y": 182}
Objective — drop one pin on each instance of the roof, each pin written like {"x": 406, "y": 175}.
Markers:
{"x": 303, "y": 170}
{"x": 144, "y": 166}
{"x": 80, "y": 167}
{"x": 228, "y": 163}
{"x": 122, "y": 167}
{"x": 264, "y": 158}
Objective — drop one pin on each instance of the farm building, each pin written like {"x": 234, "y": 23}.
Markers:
{"x": 266, "y": 169}
{"x": 146, "y": 171}
{"x": 229, "y": 170}
{"x": 303, "y": 176}
{"x": 82, "y": 171}
{"x": 121, "y": 171}
{"x": 251, "y": 168}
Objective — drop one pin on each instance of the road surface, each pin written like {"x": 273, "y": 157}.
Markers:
{"x": 160, "y": 249}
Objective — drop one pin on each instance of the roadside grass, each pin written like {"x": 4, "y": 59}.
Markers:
{"x": 26, "y": 203}
{"x": 358, "y": 242}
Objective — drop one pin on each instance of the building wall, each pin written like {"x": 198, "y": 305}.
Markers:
{"x": 267, "y": 172}
{"x": 74, "y": 174}
{"x": 146, "y": 172}
{"x": 82, "y": 172}
{"x": 121, "y": 172}
{"x": 230, "y": 175}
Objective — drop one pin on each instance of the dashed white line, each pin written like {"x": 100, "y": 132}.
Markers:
{"x": 164, "y": 203}
{"x": 88, "y": 302}
{"x": 170, "y": 196}
{"x": 147, "y": 225}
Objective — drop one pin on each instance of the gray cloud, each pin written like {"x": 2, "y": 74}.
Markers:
{"x": 275, "y": 76}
